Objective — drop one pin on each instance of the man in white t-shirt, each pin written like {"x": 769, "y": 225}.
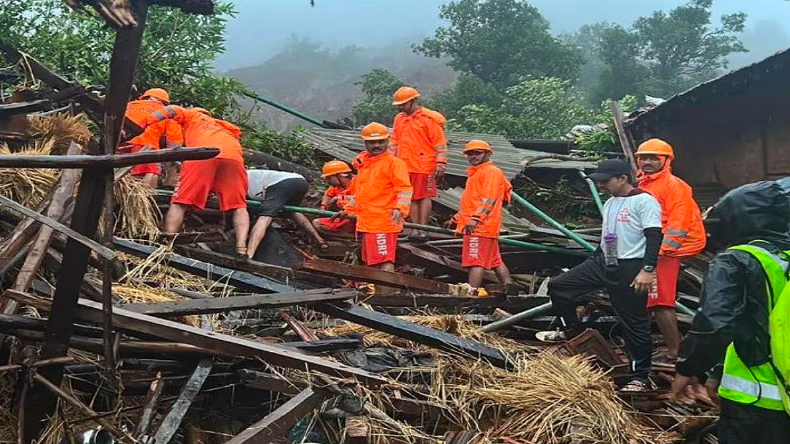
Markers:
{"x": 624, "y": 265}
{"x": 276, "y": 189}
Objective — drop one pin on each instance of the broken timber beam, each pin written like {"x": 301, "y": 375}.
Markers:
{"x": 423, "y": 335}
{"x": 278, "y": 422}
{"x": 172, "y": 421}
{"x": 374, "y": 275}
{"x": 508, "y": 303}
{"x": 107, "y": 160}
{"x": 296, "y": 278}
{"x": 57, "y": 226}
{"x": 219, "y": 305}
{"x": 220, "y": 343}
{"x": 238, "y": 279}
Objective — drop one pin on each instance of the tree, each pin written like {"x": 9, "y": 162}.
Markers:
{"x": 378, "y": 86}
{"x": 539, "y": 108}
{"x": 177, "y": 51}
{"x": 666, "y": 53}
{"x": 499, "y": 41}
{"x": 683, "y": 45}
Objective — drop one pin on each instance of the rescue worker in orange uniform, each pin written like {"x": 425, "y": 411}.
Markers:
{"x": 684, "y": 236}
{"x": 418, "y": 138}
{"x": 339, "y": 176}
{"x": 224, "y": 174}
{"x": 480, "y": 218}
{"x": 381, "y": 196}
{"x": 154, "y": 99}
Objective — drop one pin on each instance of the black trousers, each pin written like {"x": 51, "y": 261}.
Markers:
{"x": 593, "y": 274}
{"x": 747, "y": 424}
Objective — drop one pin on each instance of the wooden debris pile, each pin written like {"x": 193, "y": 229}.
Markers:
{"x": 126, "y": 338}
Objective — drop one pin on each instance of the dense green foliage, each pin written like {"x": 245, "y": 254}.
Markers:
{"x": 518, "y": 80}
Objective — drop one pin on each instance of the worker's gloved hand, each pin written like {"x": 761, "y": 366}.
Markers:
{"x": 396, "y": 216}
{"x": 643, "y": 281}
{"x": 449, "y": 224}
{"x": 470, "y": 226}
{"x": 441, "y": 168}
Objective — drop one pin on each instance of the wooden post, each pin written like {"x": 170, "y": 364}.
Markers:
{"x": 625, "y": 139}
{"x": 41, "y": 402}
{"x": 172, "y": 421}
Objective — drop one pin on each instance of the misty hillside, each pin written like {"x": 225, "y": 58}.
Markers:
{"x": 320, "y": 82}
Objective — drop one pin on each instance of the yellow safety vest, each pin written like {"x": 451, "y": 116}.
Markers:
{"x": 756, "y": 385}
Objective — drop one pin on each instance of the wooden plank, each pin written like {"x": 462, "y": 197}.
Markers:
{"x": 374, "y": 275}
{"x": 625, "y": 139}
{"x": 173, "y": 331}
{"x": 299, "y": 279}
{"x": 278, "y": 422}
{"x": 219, "y": 305}
{"x": 23, "y": 231}
{"x": 324, "y": 345}
{"x": 273, "y": 383}
{"x": 151, "y": 401}
{"x": 239, "y": 279}
{"x": 172, "y": 421}
{"x": 509, "y": 303}
{"x": 445, "y": 261}
{"x": 57, "y": 226}
{"x": 413, "y": 332}
{"x": 83, "y": 161}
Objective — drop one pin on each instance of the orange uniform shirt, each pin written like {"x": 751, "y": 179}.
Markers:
{"x": 486, "y": 189}
{"x": 342, "y": 195}
{"x": 418, "y": 138}
{"x": 381, "y": 185}
{"x": 138, "y": 110}
{"x": 201, "y": 130}
{"x": 681, "y": 219}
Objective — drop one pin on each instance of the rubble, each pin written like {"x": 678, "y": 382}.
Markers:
{"x": 294, "y": 346}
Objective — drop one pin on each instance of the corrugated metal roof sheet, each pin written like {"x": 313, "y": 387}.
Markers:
{"x": 344, "y": 145}
{"x": 452, "y": 199}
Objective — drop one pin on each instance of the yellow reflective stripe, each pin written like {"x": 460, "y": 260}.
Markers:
{"x": 671, "y": 243}
{"x": 676, "y": 232}
{"x": 170, "y": 111}
{"x": 483, "y": 210}
{"x": 762, "y": 390}
{"x": 159, "y": 115}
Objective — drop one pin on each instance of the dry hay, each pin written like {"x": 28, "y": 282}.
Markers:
{"x": 28, "y": 186}
{"x": 154, "y": 272}
{"x": 8, "y": 420}
{"x": 547, "y": 399}
{"x": 454, "y": 324}
{"x": 148, "y": 295}
{"x": 139, "y": 215}
{"x": 60, "y": 129}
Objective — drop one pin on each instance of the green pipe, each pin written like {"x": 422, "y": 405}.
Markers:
{"x": 512, "y": 242}
{"x": 284, "y": 108}
{"x": 594, "y": 191}
{"x": 683, "y": 309}
{"x": 527, "y": 204}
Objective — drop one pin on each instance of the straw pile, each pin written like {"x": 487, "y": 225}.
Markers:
{"x": 60, "y": 129}
{"x": 26, "y": 185}
{"x": 138, "y": 216}
{"x": 8, "y": 421}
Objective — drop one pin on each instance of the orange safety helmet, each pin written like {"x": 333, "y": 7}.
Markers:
{"x": 657, "y": 147}
{"x": 335, "y": 167}
{"x": 157, "y": 93}
{"x": 204, "y": 111}
{"x": 404, "y": 94}
{"x": 477, "y": 145}
{"x": 375, "y": 131}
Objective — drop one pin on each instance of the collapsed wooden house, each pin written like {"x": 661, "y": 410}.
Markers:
{"x": 124, "y": 338}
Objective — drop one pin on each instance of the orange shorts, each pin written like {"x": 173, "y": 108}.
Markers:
{"x": 226, "y": 177}
{"x": 424, "y": 185}
{"x": 378, "y": 248}
{"x": 665, "y": 285}
{"x": 341, "y": 225}
{"x": 143, "y": 169}
{"x": 480, "y": 251}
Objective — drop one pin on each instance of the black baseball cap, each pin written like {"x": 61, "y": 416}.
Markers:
{"x": 610, "y": 168}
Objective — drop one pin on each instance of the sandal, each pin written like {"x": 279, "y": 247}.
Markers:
{"x": 637, "y": 385}
{"x": 663, "y": 360}
{"x": 554, "y": 336}
{"x": 241, "y": 254}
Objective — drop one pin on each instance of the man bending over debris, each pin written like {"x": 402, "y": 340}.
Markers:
{"x": 744, "y": 317}
{"x": 381, "y": 198}
{"x": 339, "y": 176}
{"x": 684, "y": 236}
{"x": 418, "y": 138}
{"x": 624, "y": 265}
{"x": 276, "y": 189}
{"x": 480, "y": 218}
{"x": 137, "y": 110}
{"x": 224, "y": 175}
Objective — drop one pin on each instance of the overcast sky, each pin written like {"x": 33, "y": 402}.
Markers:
{"x": 263, "y": 26}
